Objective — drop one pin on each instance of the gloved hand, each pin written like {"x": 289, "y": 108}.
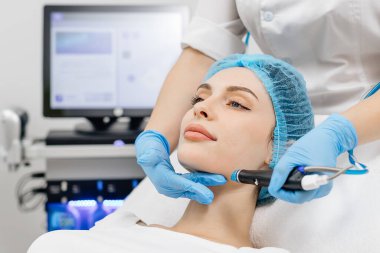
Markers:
{"x": 152, "y": 152}
{"x": 320, "y": 147}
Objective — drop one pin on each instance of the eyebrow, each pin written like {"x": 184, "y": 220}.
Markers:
{"x": 230, "y": 88}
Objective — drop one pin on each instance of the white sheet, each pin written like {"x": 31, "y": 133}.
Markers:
{"x": 125, "y": 236}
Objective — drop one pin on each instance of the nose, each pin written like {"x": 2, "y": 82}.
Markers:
{"x": 203, "y": 110}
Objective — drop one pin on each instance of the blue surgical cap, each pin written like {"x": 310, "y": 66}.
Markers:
{"x": 287, "y": 90}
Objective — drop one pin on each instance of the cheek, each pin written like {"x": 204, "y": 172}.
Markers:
{"x": 244, "y": 144}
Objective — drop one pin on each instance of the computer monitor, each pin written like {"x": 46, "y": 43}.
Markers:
{"x": 108, "y": 61}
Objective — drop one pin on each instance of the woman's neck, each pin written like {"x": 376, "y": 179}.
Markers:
{"x": 226, "y": 220}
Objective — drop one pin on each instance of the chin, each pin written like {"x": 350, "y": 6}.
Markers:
{"x": 192, "y": 155}
{"x": 191, "y": 158}
{"x": 196, "y": 159}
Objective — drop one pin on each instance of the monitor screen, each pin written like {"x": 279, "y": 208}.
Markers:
{"x": 108, "y": 60}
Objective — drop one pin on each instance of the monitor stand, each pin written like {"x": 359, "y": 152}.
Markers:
{"x": 98, "y": 131}
{"x": 109, "y": 126}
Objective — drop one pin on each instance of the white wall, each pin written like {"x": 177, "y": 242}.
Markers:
{"x": 21, "y": 85}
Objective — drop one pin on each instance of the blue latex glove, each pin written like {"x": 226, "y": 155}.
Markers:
{"x": 152, "y": 152}
{"x": 320, "y": 147}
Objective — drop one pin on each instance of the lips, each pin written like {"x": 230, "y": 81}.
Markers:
{"x": 196, "y": 131}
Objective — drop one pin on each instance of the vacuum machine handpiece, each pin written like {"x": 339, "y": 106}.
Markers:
{"x": 262, "y": 178}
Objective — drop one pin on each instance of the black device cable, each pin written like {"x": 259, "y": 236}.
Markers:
{"x": 27, "y": 196}
{"x": 29, "y": 201}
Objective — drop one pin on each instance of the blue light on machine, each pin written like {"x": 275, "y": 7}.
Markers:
{"x": 82, "y": 203}
{"x": 119, "y": 143}
{"x": 92, "y": 203}
{"x": 99, "y": 185}
{"x": 113, "y": 202}
{"x": 82, "y": 214}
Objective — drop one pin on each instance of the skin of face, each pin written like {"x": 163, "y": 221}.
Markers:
{"x": 241, "y": 124}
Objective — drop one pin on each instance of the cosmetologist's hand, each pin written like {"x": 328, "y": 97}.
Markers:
{"x": 152, "y": 152}
{"x": 320, "y": 147}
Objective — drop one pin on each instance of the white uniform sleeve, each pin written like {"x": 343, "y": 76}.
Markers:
{"x": 215, "y": 29}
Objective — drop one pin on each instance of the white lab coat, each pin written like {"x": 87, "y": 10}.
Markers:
{"x": 334, "y": 44}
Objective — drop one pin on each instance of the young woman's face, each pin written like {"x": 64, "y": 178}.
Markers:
{"x": 230, "y": 125}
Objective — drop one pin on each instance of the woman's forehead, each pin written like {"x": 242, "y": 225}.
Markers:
{"x": 236, "y": 76}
